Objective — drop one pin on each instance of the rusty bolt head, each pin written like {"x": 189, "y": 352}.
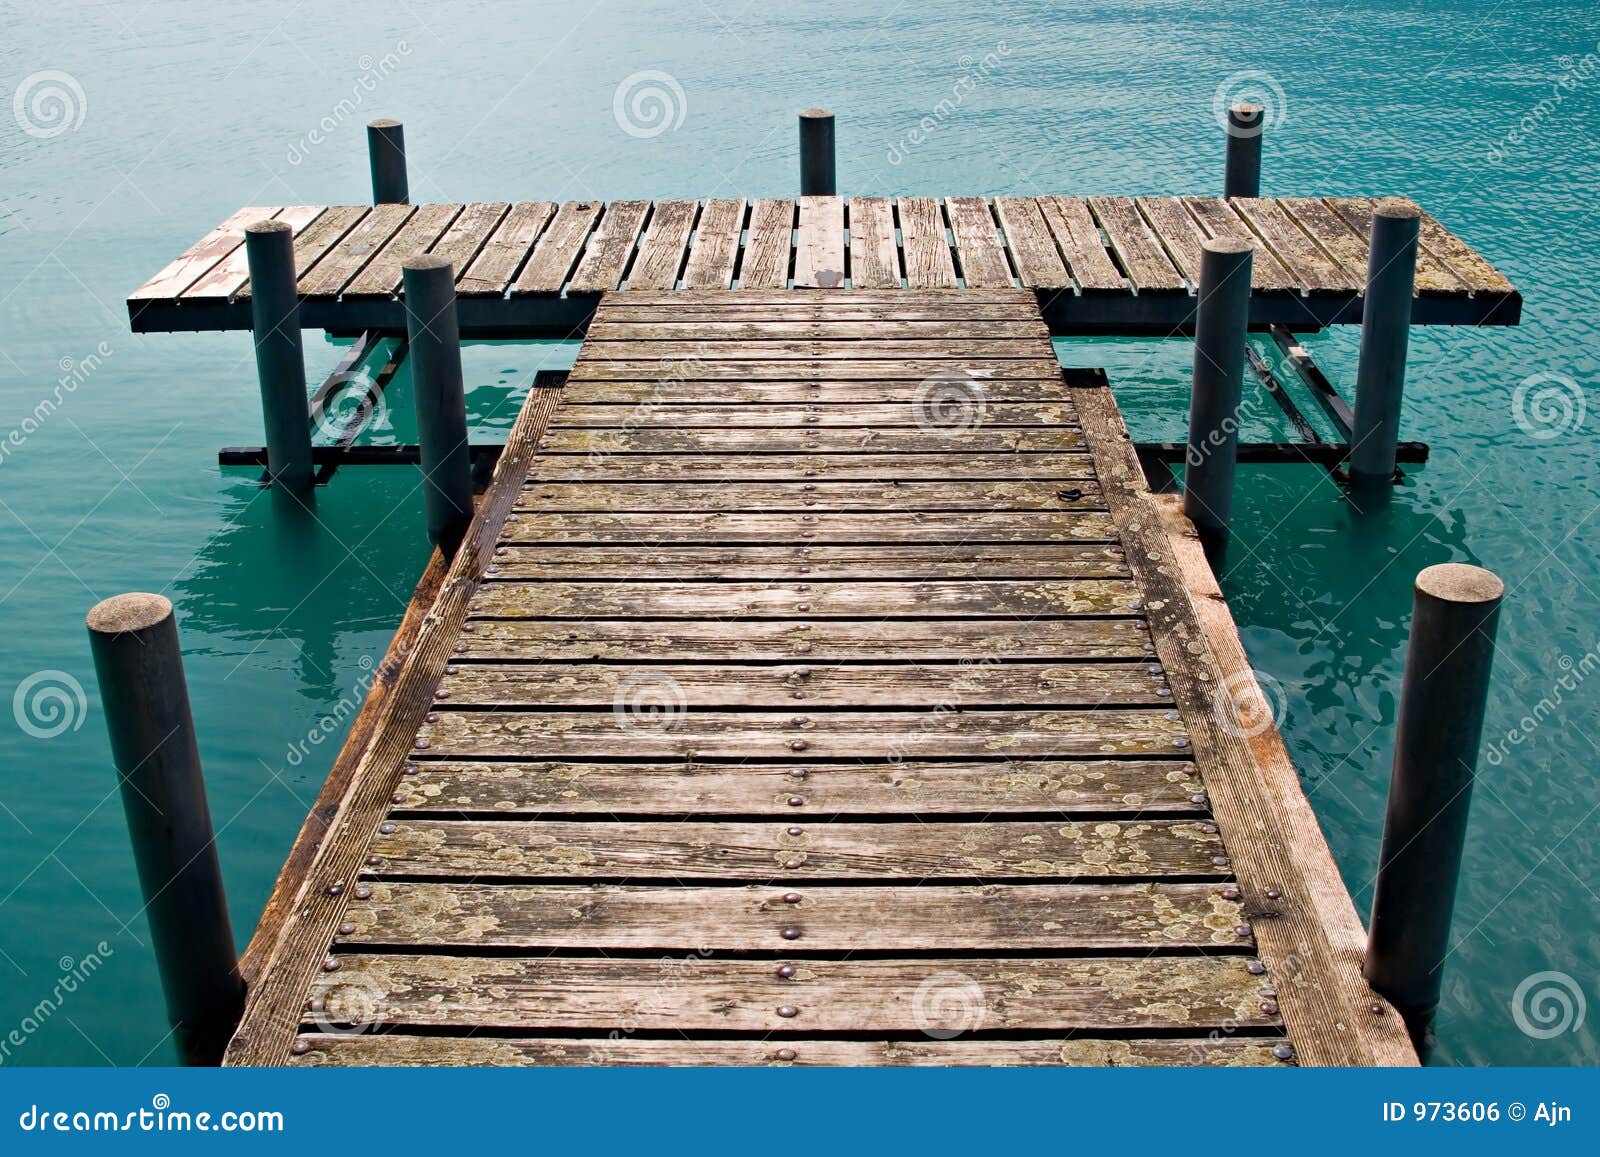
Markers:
{"x": 375, "y": 860}
{"x": 786, "y": 1054}
{"x": 796, "y": 801}
{"x": 794, "y": 831}
{"x": 1220, "y": 861}
{"x": 431, "y": 717}
{"x": 1284, "y": 1052}
{"x": 786, "y": 972}
{"x": 347, "y": 929}
{"x": 1274, "y": 894}
{"x": 1209, "y": 829}
{"x": 363, "y": 892}
{"x": 335, "y": 889}
{"x": 300, "y": 1047}
{"x": 1198, "y": 798}
{"x": 422, "y": 744}
{"x": 1180, "y": 742}
{"x": 316, "y": 1004}
{"x": 789, "y": 933}
{"x": 1255, "y": 968}
{"x": 1230, "y": 893}
{"x": 791, "y": 864}
{"x": 1241, "y": 929}
{"x": 1375, "y": 1008}
{"x": 797, "y": 773}
{"x": 799, "y": 721}
{"x": 798, "y": 745}
{"x": 791, "y": 897}
{"x": 330, "y": 965}
{"x": 788, "y": 1010}
{"x": 1270, "y": 1007}
{"x": 442, "y": 693}
{"x": 399, "y": 797}
{"x": 386, "y": 828}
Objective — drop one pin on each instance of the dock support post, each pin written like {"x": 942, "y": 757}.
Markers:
{"x": 435, "y": 338}
{"x": 1442, "y": 697}
{"x": 280, "y": 357}
{"x": 1385, "y": 329}
{"x": 1221, "y": 323}
{"x": 1242, "y": 173}
{"x": 817, "y": 172}
{"x": 134, "y": 638}
{"x": 386, "y": 154}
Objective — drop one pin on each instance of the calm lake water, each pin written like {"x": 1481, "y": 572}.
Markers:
{"x": 1485, "y": 112}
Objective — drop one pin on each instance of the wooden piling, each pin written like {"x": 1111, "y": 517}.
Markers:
{"x": 386, "y": 154}
{"x": 1385, "y": 332}
{"x": 435, "y": 339}
{"x": 1223, "y": 311}
{"x": 280, "y": 357}
{"x": 1442, "y": 699}
{"x": 134, "y": 638}
{"x": 1242, "y": 173}
{"x": 818, "y": 175}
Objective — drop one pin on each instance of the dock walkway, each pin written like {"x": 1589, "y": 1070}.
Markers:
{"x": 819, "y": 683}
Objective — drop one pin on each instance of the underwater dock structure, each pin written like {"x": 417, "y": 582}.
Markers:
{"x": 819, "y": 674}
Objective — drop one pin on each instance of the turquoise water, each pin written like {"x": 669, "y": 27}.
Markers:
{"x": 283, "y": 611}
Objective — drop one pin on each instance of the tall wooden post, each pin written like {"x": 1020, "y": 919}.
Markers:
{"x": 1242, "y": 173}
{"x": 280, "y": 357}
{"x": 817, "y": 168}
{"x": 386, "y": 156}
{"x": 435, "y": 338}
{"x": 1385, "y": 333}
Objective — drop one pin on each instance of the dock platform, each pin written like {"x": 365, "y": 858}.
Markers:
{"x": 1097, "y": 265}
{"x": 819, "y": 683}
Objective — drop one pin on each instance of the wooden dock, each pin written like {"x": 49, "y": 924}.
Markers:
{"x": 1123, "y": 265}
{"x": 819, "y": 683}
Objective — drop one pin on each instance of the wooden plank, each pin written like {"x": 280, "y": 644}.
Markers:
{"x": 809, "y": 467}
{"x": 832, "y": 440}
{"x": 508, "y": 247}
{"x": 709, "y": 330}
{"x": 908, "y": 368}
{"x": 340, "y": 264}
{"x": 1177, "y": 232}
{"x": 197, "y": 260}
{"x": 1077, "y": 236}
{"x": 818, "y": 497}
{"x": 734, "y": 600}
{"x": 1464, "y": 261}
{"x": 755, "y": 297}
{"x": 929, "y": 264}
{"x": 1332, "y": 234}
{"x": 819, "y": 244}
{"x": 864, "y": 415}
{"x": 230, "y": 274}
{"x": 788, "y": 391}
{"x": 605, "y": 257}
{"x": 661, "y": 252}
{"x": 775, "y": 562}
{"x": 714, "y": 252}
{"x": 923, "y": 640}
{"x": 874, "y": 253}
{"x": 1137, "y": 250}
{"x": 939, "y": 997}
{"x": 823, "y": 350}
{"x": 1054, "y": 734}
{"x": 381, "y": 277}
{"x": 768, "y": 245}
{"x": 558, "y": 250}
{"x": 1433, "y": 275}
{"x": 1084, "y": 787}
{"x": 1033, "y": 250}
{"x": 1016, "y": 918}
{"x": 325, "y": 231}
{"x": 1312, "y": 267}
{"x": 398, "y": 1049}
{"x": 1217, "y": 219}
{"x": 907, "y": 685}
{"x": 469, "y": 233}
{"x": 977, "y": 243}
{"x": 946, "y": 528}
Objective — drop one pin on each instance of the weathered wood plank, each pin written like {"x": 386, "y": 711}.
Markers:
{"x": 1332, "y": 234}
{"x": 950, "y": 529}
{"x": 907, "y": 367}
{"x": 666, "y": 241}
{"x": 1313, "y": 268}
{"x": 1012, "y": 918}
{"x": 1177, "y": 232}
{"x": 775, "y": 562}
{"x": 558, "y": 250}
{"x": 768, "y": 245}
{"x": 1137, "y": 249}
{"x": 874, "y": 253}
{"x": 1217, "y": 219}
{"x": 867, "y": 415}
{"x": 1078, "y": 237}
{"x": 398, "y": 1049}
{"x": 1433, "y": 275}
{"x": 808, "y": 467}
{"x": 714, "y": 252}
{"x": 940, "y": 997}
{"x": 232, "y": 273}
{"x": 508, "y": 247}
{"x": 1464, "y": 261}
{"x": 197, "y": 260}
{"x": 673, "y": 390}
{"x": 759, "y": 334}
{"x": 819, "y": 497}
{"x": 1085, "y": 787}
{"x": 1033, "y": 250}
{"x": 824, "y": 642}
{"x": 381, "y": 277}
{"x": 929, "y": 264}
{"x": 340, "y": 264}
{"x": 733, "y": 600}
{"x": 469, "y": 233}
{"x": 822, "y": 351}
{"x": 832, "y": 440}
{"x": 977, "y": 243}
{"x": 606, "y": 255}
{"x": 819, "y": 244}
